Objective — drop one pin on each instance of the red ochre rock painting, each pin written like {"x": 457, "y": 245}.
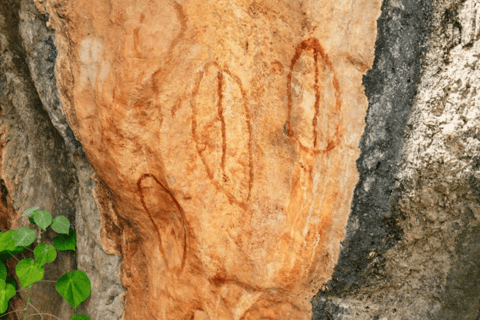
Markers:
{"x": 325, "y": 115}
{"x": 226, "y": 133}
{"x": 222, "y": 132}
{"x": 168, "y": 219}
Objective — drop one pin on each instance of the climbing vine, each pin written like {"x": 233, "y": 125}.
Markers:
{"x": 74, "y": 287}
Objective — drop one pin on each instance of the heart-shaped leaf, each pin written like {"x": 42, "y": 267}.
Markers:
{"x": 23, "y": 237}
{"x": 6, "y": 241}
{"x": 61, "y": 224}
{"x": 7, "y": 291}
{"x": 80, "y": 317}
{"x": 29, "y": 272}
{"x": 29, "y": 211}
{"x": 42, "y": 218}
{"x": 75, "y": 287}
{"x": 66, "y": 242}
{"x": 44, "y": 253}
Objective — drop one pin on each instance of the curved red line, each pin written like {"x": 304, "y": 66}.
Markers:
{"x": 229, "y": 195}
{"x": 313, "y": 44}
{"x": 180, "y": 209}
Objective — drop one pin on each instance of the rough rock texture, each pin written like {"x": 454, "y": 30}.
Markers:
{"x": 224, "y": 135}
{"x": 224, "y": 143}
{"x": 42, "y": 164}
{"x": 412, "y": 246}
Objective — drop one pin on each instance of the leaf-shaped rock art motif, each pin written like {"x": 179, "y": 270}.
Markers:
{"x": 314, "y": 99}
{"x": 221, "y": 128}
{"x": 168, "y": 219}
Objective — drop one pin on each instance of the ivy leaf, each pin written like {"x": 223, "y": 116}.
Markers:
{"x": 7, "y": 291}
{"x": 7, "y": 243}
{"x": 23, "y": 237}
{"x": 42, "y": 218}
{"x": 80, "y": 317}
{"x": 66, "y": 242}
{"x": 29, "y": 272}
{"x": 44, "y": 253}
{"x": 29, "y": 211}
{"x": 61, "y": 224}
{"x": 75, "y": 287}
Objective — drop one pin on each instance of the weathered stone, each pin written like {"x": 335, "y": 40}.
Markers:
{"x": 42, "y": 164}
{"x": 225, "y": 137}
{"x": 215, "y": 175}
{"x": 412, "y": 250}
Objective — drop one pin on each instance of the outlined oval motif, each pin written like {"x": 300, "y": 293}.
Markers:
{"x": 314, "y": 99}
{"x": 222, "y": 131}
{"x": 168, "y": 219}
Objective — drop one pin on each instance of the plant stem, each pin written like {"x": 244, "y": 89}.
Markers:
{"x": 37, "y": 312}
{"x": 47, "y": 314}
{"x": 4, "y": 314}
{"x": 13, "y": 256}
{"x": 28, "y": 299}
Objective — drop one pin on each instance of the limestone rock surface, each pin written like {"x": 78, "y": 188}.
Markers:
{"x": 411, "y": 250}
{"x": 223, "y": 136}
{"x": 42, "y": 164}
{"x": 208, "y": 154}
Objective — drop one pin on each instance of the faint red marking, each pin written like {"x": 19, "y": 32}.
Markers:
{"x": 180, "y": 209}
{"x": 222, "y": 118}
{"x": 314, "y": 44}
{"x": 196, "y": 138}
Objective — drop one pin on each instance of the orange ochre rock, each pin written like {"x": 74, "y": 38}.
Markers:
{"x": 223, "y": 135}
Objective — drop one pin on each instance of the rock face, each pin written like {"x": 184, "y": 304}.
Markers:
{"x": 207, "y": 153}
{"x": 224, "y": 136}
{"x": 411, "y": 250}
{"x": 42, "y": 164}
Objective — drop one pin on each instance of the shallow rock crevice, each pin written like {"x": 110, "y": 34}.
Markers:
{"x": 42, "y": 163}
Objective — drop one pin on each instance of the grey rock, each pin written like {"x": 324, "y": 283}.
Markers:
{"x": 411, "y": 250}
{"x": 412, "y": 243}
{"x": 44, "y": 165}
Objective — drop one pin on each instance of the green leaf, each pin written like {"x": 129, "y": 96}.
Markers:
{"x": 80, "y": 317}
{"x": 66, "y": 242}
{"x": 29, "y": 272}
{"x": 7, "y": 291}
{"x": 3, "y": 271}
{"x": 23, "y": 236}
{"x": 61, "y": 224}
{"x": 75, "y": 287}
{"x": 29, "y": 211}
{"x": 42, "y": 218}
{"x": 44, "y": 253}
{"x": 6, "y": 241}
